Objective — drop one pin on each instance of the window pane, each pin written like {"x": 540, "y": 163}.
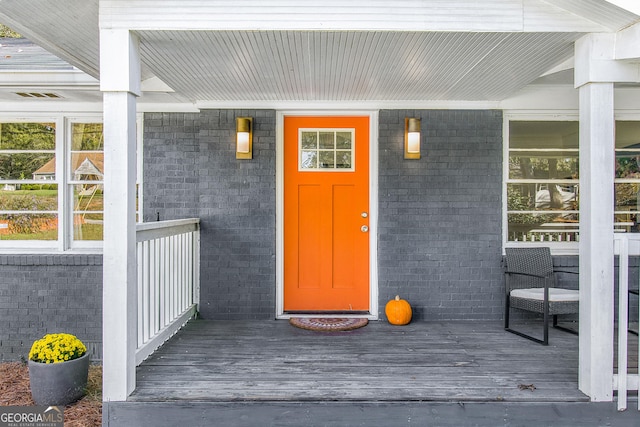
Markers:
{"x": 627, "y": 164}
{"x": 24, "y": 226}
{"x": 343, "y": 140}
{"x": 27, "y": 136}
{"x": 541, "y": 197}
{"x": 88, "y": 226}
{"x": 87, "y": 157}
{"x": 327, "y": 140}
{"x": 87, "y": 137}
{"x": 627, "y": 196}
{"x": 309, "y": 140}
{"x": 541, "y": 166}
{"x": 543, "y": 135}
{"x": 29, "y": 197}
{"x": 627, "y": 135}
{"x": 88, "y": 207}
{"x": 40, "y": 166}
{"x": 343, "y": 159}
{"x": 326, "y": 160}
{"x": 309, "y": 160}
{"x": 536, "y": 222}
{"x": 540, "y": 228}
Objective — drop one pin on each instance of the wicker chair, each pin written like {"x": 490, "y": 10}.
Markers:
{"x": 530, "y": 285}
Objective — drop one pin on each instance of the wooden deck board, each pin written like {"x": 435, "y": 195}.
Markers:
{"x": 273, "y": 361}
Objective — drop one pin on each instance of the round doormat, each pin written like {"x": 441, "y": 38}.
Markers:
{"x": 329, "y": 324}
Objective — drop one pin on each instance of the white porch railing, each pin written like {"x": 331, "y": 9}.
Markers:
{"x": 624, "y": 381}
{"x": 168, "y": 258}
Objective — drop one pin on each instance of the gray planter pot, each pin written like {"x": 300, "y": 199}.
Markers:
{"x": 54, "y": 384}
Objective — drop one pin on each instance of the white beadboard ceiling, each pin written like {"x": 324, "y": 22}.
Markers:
{"x": 286, "y": 50}
{"x": 350, "y": 65}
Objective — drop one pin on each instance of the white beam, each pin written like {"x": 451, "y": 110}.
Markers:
{"x": 596, "y": 241}
{"x": 119, "y": 62}
{"x": 628, "y": 43}
{"x": 595, "y": 62}
{"x": 120, "y": 83}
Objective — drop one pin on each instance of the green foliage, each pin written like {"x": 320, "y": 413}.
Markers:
{"x": 87, "y": 137}
{"x": 8, "y": 32}
{"x": 25, "y": 136}
{"x": 43, "y": 189}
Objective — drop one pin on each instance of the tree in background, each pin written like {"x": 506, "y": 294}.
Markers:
{"x": 8, "y": 32}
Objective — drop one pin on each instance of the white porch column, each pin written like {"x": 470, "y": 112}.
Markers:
{"x": 596, "y": 240}
{"x": 600, "y": 60}
{"x": 120, "y": 84}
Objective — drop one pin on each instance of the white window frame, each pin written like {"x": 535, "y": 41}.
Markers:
{"x": 63, "y": 122}
{"x": 318, "y": 150}
{"x": 557, "y": 248}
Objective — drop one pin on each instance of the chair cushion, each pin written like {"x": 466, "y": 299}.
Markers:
{"x": 555, "y": 294}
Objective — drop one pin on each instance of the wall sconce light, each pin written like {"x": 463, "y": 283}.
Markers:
{"x": 244, "y": 138}
{"x": 411, "y": 138}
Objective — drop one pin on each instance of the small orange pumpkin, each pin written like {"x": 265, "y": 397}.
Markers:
{"x": 398, "y": 311}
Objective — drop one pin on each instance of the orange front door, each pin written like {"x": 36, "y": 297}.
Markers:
{"x": 326, "y": 213}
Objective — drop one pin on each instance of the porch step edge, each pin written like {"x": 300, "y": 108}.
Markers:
{"x": 489, "y": 414}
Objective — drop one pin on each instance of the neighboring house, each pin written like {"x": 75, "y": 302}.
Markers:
{"x": 512, "y": 96}
{"x": 87, "y": 166}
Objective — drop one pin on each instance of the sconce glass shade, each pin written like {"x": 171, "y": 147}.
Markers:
{"x": 411, "y": 138}
{"x": 242, "y": 142}
{"x": 244, "y": 138}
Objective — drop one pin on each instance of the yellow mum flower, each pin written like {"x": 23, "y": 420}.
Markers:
{"x": 56, "y": 348}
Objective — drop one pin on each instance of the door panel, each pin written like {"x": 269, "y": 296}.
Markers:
{"x": 309, "y": 239}
{"x": 326, "y": 260}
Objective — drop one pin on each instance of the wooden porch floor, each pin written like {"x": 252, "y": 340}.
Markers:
{"x": 219, "y": 361}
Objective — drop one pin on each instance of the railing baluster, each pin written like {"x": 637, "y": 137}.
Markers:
{"x": 142, "y": 259}
{"x": 623, "y": 287}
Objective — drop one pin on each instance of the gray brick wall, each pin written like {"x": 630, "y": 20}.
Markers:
{"x": 170, "y": 165}
{"x": 42, "y": 294}
{"x": 440, "y": 216}
{"x": 237, "y": 203}
{"x": 190, "y": 170}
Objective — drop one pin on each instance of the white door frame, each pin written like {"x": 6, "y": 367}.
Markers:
{"x": 373, "y": 204}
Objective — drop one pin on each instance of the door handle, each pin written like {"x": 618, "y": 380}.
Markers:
{"x": 364, "y": 228}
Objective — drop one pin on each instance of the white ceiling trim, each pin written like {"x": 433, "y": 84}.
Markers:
{"x": 72, "y": 79}
{"x": 362, "y": 15}
{"x": 348, "y": 105}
